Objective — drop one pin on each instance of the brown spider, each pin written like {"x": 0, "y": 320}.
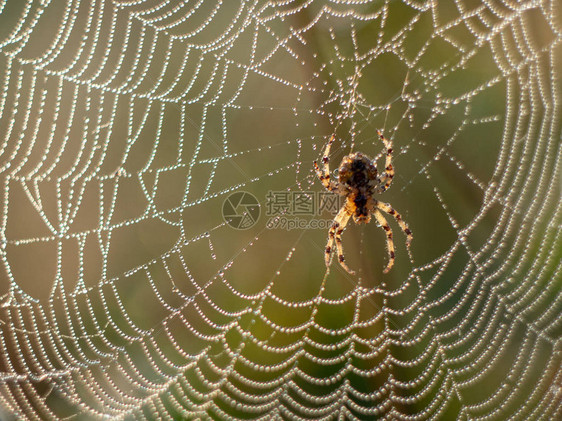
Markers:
{"x": 358, "y": 181}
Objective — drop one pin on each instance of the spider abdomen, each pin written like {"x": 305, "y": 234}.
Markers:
{"x": 357, "y": 171}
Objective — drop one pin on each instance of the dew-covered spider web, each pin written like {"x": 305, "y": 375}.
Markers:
{"x": 135, "y": 133}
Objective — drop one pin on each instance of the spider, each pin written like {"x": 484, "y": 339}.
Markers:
{"x": 358, "y": 181}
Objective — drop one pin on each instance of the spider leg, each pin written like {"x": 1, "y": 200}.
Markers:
{"x": 389, "y": 242}
{"x": 388, "y": 173}
{"x": 324, "y": 175}
{"x": 326, "y": 157}
{"x": 334, "y": 235}
{"x": 325, "y": 179}
{"x": 385, "y": 207}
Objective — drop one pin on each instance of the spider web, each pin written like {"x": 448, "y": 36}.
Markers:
{"x": 126, "y": 125}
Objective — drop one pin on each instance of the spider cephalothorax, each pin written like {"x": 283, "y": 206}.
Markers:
{"x": 358, "y": 181}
